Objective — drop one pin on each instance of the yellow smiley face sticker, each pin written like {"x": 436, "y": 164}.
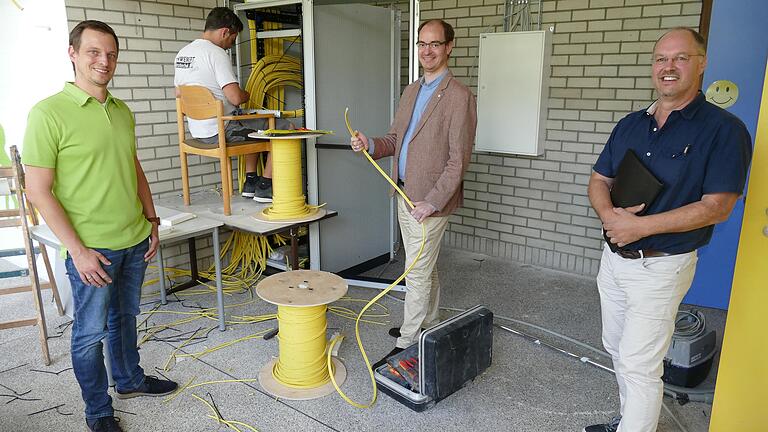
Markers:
{"x": 722, "y": 93}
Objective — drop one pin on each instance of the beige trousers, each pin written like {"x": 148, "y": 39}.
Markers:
{"x": 639, "y": 300}
{"x": 422, "y": 299}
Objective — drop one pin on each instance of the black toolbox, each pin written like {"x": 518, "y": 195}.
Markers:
{"x": 450, "y": 355}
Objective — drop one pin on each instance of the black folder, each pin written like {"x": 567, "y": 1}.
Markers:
{"x": 634, "y": 184}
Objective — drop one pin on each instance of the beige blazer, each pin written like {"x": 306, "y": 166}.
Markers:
{"x": 441, "y": 146}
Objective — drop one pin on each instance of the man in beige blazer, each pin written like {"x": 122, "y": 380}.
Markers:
{"x": 431, "y": 139}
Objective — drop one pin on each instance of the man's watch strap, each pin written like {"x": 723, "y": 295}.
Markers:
{"x": 154, "y": 219}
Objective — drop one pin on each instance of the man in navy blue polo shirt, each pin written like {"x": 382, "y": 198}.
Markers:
{"x": 701, "y": 154}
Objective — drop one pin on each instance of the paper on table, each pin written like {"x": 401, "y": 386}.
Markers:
{"x": 176, "y": 219}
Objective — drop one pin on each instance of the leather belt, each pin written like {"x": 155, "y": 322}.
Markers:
{"x": 644, "y": 253}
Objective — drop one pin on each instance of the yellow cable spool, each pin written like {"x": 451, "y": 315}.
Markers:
{"x": 300, "y": 371}
{"x": 380, "y": 295}
{"x": 288, "y": 199}
{"x": 302, "y": 347}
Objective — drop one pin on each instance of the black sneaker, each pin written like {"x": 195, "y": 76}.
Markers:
{"x": 152, "y": 386}
{"x": 249, "y": 187}
{"x": 104, "y": 424}
{"x": 263, "y": 193}
{"x": 384, "y": 360}
{"x": 395, "y": 332}
{"x": 611, "y": 426}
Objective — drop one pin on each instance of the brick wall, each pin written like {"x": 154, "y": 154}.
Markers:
{"x": 532, "y": 209}
{"x": 150, "y": 34}
{"x": 535, "y": 209}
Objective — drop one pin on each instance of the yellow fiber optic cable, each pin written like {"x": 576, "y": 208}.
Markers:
{"x": 178, "y": 391}
{"x": 254, "y": 38}
{"x": 205, "y": 352}
{"x": 166, "y": 366}
{"x": 244, "y": 380}
{"x": 288, "y": 199}
{"x": 380, "y": 295}
{"x": 302, "y": 347}
{"x": 248, "y": 259}
{"x": 229, "y": 423}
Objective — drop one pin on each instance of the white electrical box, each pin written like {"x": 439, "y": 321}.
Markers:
{"x": 512, "y": 92}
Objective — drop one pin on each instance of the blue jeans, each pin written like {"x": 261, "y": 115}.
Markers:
{"x": 107, "y": 313}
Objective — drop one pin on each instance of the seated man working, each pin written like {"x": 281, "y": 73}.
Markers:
{"x": 205, "y": 62}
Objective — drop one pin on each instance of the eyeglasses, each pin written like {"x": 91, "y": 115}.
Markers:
{"x": 679, "y": 59}
{"x": 433, "y": 44}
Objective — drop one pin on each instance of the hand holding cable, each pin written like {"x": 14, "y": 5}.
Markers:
{"x": 363, "y": 143}
{"x": 358, "y": 141}
{"x": 420, "y": 210}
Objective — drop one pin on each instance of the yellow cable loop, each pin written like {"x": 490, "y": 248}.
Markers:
{"x": 269, "y": 76}
{"x": 373, "y": 301}
{"x": 302, "y": 347}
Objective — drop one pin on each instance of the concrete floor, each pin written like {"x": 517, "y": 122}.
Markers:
{"x": 527, "y": 388}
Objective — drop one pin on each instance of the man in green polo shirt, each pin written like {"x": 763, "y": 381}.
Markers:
{"x": 85, "y": 179}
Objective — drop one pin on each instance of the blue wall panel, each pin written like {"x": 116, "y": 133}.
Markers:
{"x": 736, "y": 51}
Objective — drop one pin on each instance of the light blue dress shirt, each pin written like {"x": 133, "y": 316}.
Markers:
{"x": 426, "y": 91}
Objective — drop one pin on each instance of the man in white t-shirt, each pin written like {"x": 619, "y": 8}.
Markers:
{"x": 205, "y": 63}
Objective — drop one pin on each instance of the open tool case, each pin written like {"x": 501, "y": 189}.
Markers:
{"x": 447, "y": 357}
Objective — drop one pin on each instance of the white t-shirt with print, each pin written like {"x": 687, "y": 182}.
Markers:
{"x": 205, "y": 64}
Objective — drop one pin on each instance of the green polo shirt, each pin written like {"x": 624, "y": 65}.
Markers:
{"x": 91, "y": 146}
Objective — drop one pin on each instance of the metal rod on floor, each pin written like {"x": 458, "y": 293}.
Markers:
{"x": 219, "y": 288}
{"x": 587, "y": 360}
{"x": 538, "y": 341}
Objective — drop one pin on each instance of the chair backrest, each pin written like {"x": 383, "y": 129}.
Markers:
{"x": 198, "y": 103}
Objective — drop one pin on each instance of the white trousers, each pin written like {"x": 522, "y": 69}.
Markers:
{"x": 422, "y": 298}
{"x": 639, "y": 300}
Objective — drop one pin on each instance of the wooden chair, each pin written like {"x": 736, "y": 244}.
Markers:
{"x": 21, "y": 217}
{"x": 198, "y": 103}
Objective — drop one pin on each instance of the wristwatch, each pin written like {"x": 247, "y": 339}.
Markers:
{"x": 154, "y": 219}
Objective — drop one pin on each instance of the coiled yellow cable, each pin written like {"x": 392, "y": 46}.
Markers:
{"x": 267, "y": 80}
{"x": 302, "y": 347}
{"x": 288, "y": 200}
{"x": 329, "y": 363}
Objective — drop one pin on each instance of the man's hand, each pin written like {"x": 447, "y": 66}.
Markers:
{"x": 154, "y": 243}
{"x": 623, "y": 227}
{"x": 359, "y": 142}
{"x": 88, "y": 264}
{"x": 422, "y": 210}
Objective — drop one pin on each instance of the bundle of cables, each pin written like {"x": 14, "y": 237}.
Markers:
{"x": 689, "y": 324}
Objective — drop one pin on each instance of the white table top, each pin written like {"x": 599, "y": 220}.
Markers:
{"x": 210, "y": 205}
{"x": 185, "y": 229}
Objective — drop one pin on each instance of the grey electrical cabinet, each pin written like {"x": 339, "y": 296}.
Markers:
{"x": 512, "y": 92}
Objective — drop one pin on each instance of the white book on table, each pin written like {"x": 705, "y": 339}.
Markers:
{"x": 164, "y": 229}
{"x": 176, "y": 218}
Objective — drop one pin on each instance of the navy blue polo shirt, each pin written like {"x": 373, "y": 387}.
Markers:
{"x": 701, "y": 149}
